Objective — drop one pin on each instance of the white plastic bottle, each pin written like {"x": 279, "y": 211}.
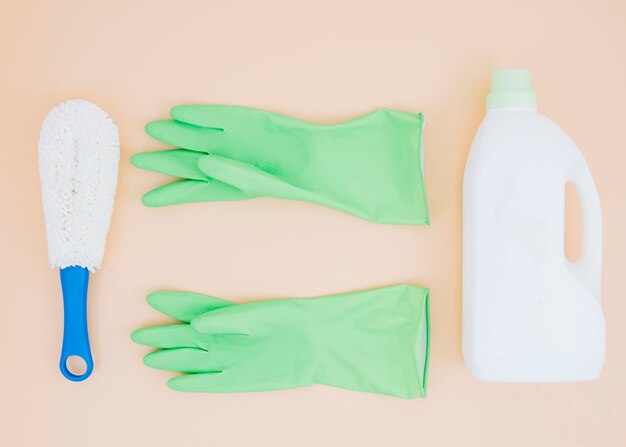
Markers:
{"x": 529, "y": 314}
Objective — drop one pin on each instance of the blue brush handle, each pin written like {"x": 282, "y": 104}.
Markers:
{"x": 74, "y": 282}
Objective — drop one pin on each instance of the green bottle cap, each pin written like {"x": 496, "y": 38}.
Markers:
{"x": 511, "y": 87}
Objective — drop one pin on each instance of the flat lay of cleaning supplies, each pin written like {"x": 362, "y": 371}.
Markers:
{"x": 529, "y": 314}
{"x": 375, "y": 341}
{"x": 79, "y": 154}
{"x": 370, "y": 167}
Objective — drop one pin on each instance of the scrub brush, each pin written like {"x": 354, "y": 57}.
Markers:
{"x": 79, "y": 154}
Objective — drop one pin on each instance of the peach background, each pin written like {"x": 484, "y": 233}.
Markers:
{"x": 323, "y": 61}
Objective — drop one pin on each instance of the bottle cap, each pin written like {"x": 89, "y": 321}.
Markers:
{"x": 511, "y": 87}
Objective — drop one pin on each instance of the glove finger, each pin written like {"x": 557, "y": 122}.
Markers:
{"x": 221, "y": 116}
{"x": 176, "y": 162}
{"x": 188, "y": 136}
{"x": 185, "y": 306}
{"x": 227, "y": 381}
{"x": 249, "y": 178}
{"x": 233, "y": 320}
{"x": 187, "y": 191}
{"x": 170, "y": 336}
{"x": 188, "y": 360}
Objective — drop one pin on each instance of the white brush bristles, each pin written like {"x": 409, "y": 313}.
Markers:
{"x": 79, "y": 153}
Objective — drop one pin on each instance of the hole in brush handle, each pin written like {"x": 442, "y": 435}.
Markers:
{"x": 76, "y": 368}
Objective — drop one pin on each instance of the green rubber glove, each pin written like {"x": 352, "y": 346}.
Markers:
{"x": 375, "y": 341}
{"x": 370, "y": 167}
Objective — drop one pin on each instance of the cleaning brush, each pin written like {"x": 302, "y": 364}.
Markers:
{"x": 79, "y": 154}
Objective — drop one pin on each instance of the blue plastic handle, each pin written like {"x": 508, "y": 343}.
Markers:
{"x": 74, "y": 282}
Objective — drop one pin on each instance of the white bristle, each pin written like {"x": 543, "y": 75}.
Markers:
{"x": 79, "y": 153}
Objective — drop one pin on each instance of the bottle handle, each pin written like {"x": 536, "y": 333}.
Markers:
{"x": 589, "y": 266}
{"x": 74, "y": 282}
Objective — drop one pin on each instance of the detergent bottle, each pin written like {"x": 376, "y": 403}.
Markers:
{"x": 529, "y": 314}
